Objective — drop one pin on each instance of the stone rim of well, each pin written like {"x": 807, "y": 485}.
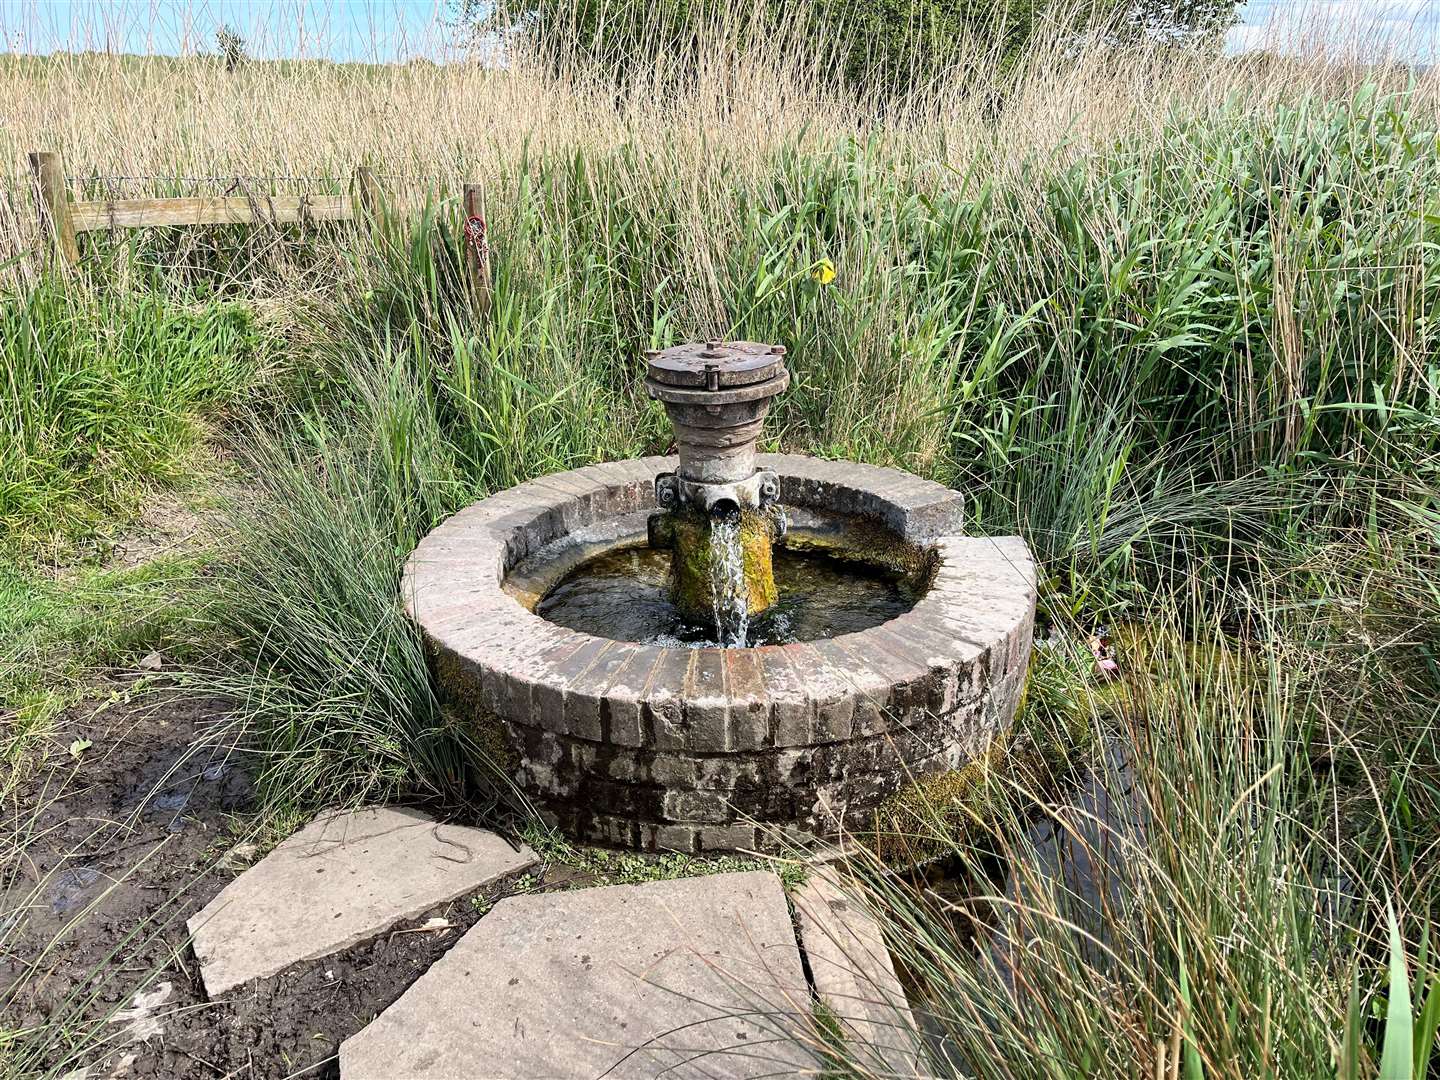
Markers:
{"x": 968, "y": 632}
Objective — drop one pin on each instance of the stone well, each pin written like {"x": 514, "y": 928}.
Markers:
{"x": 700, "y": 749}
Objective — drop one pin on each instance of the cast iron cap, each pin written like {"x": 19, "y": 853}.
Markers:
{"x": 715, "y": 365}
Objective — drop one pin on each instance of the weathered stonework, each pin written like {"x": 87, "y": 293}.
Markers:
{"x": 717, "y": 749}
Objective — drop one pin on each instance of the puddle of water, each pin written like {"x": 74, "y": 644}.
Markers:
{"x": 185, "y": 793}
{"x": 70, "y": 888}
{"x": 1077, "y": 851}
{"x": 170, "y": 800}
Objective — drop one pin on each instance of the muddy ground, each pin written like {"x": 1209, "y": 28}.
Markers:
{"x": 106, "y": 853}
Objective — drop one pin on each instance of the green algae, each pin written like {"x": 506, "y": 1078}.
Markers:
{"x": 688, "y": 531}
{"x": 870, "y": 544}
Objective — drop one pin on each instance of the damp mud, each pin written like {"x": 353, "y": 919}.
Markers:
{"x": 103, "y": 857}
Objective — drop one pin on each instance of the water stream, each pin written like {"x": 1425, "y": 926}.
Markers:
{"x": 729, "y": 596}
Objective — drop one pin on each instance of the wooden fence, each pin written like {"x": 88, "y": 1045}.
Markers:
{"x": 63, "y": 218}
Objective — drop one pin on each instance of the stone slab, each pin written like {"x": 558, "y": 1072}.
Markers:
{"x": 342, "y": 879}
{"x": 691, "y": 978}
{"x": 855, "y": 977}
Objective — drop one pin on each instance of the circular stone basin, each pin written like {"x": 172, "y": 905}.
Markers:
{"x": 668, "y": 744}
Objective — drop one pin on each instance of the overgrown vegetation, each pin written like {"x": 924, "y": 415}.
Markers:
{"x": 106, "y": 393}
{"x": 1174, "y": 322}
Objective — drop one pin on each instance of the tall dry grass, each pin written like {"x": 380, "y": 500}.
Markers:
{"x": 152, "y": 125}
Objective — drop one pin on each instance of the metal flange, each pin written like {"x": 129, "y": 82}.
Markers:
{"x": 716, "y": 396}
{"x": 759, "y": 490}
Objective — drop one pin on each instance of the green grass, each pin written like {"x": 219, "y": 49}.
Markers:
{"x": 105, "y": 395}
{"x": 59, "y": 631}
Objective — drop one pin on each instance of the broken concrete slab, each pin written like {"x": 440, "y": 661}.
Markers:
{"x": 688, "y": 978}
{"x": 343, "y": 878}
{"x": 854, "y": 976}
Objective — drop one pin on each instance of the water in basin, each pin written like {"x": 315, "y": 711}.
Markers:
{"x": 622, "y": 595}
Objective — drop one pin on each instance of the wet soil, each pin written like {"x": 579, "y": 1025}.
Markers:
{"x": 106, "y": 854}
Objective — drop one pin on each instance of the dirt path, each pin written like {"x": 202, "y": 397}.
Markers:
{"x": 105, "y": 856}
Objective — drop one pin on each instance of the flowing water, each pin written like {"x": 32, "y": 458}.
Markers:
{"x": 623, "y": 595}
{"x": 729, "y": 597}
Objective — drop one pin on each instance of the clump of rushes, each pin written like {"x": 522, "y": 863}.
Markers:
{"x": 1209, "y": 895}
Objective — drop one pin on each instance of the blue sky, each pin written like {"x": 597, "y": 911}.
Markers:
{"x": 399, "y": 29}
{"x": 337, "y": 29}
{"x": 1410, "y": 29}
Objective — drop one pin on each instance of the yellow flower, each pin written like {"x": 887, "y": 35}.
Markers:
{"x": 824, "y": 272}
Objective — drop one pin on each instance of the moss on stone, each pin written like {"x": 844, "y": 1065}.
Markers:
{"x": 464, "y": 712}
{"x": 919, "y": 821}
{"x": 690, "y": 577}
{"x": 869, "y": 543}
{"x": 1053, "y": 727}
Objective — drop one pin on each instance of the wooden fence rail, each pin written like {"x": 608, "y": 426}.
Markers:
{"x": 63, "y": 218}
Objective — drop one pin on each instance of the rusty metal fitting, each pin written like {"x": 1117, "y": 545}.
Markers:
{"x": 755, "y": 492}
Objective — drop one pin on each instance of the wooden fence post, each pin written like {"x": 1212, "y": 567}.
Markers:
{"x": 52, "y": 194}
{"x": 477, "y": 245}
{"x": 369, "y": 198}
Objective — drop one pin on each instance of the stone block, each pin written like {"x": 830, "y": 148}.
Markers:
{"x": 664, "y": 696}
{"x": 855, "y": 977}
{"x": 585, "y": 692}
{"x": 675, "y": 838}
{"x": 833, "y": 694}
{"x": 727, "y": 838}
{"x": 706, "y": 706}
{"x": 750, "y": 722}
{"x": 623, "y": 710}
{"x": 685, "y": 979}
{"x": 792, "y": 710}
{"x": 342, "y": 879}
{"x": 697, "y": 807}
{"x": 674, "y": 770}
